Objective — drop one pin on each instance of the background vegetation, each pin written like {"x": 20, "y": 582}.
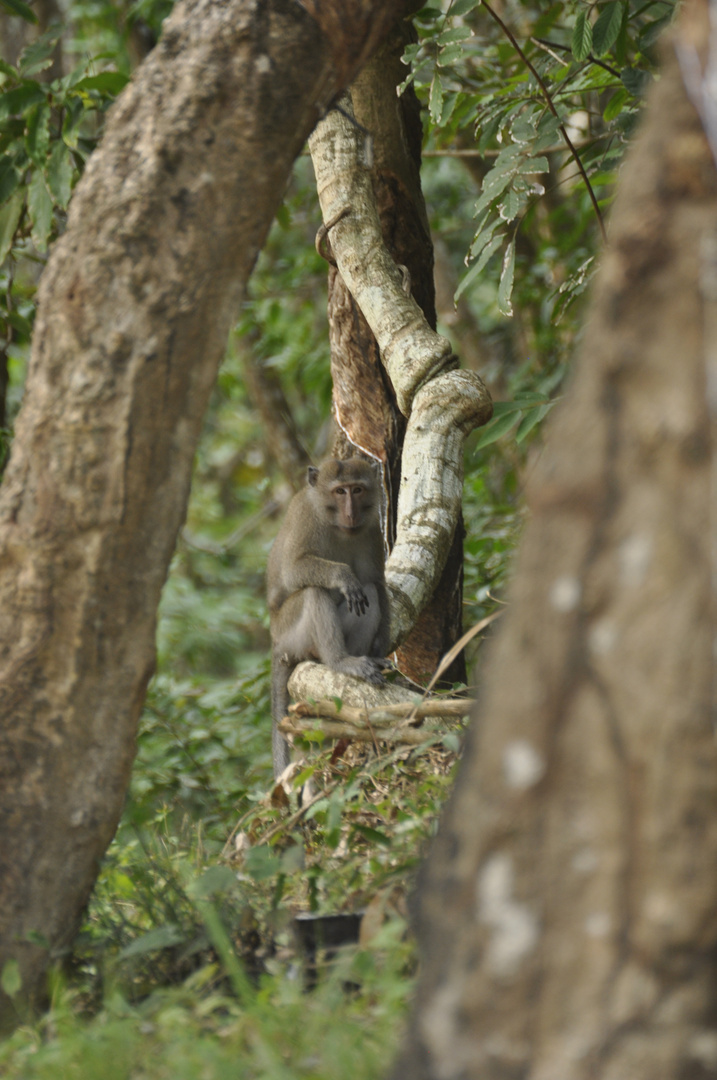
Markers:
{"x": 188, "y": 963}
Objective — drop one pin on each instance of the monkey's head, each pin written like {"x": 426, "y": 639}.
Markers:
{"x": 347, "y": 491}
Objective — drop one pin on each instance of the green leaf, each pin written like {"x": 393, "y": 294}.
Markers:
{"x": 607, "y": 27}
{"x": 505, "y": 288}
{"x": 449, "y": 56}
{"x": 215, "y": 879}
{"x": 495, "y": 430}
{"x": 9, "y": 218}
{"x": 508, "y": 408}
{"x": 373, "y": 835}
{"x": 475, "y": 270}
{"x": 59, "y": 174}
{"x": 494, "y": 184}
{"x": 39, "y": 204}
{"x": 38, "y": 54}
{"x": 650, "y": 33}
{"x": 163, "y": 937}
{"x": 456, "y": 33}
{"x": 11, "y": 979}
{"x": 451, "y": 742}
{"x": 435, "y": 98}
{"x": 8, "y": 69}
{"x": 512, "y": 205}
{"x": 17, "y": 7}
{"x": 70, "y": 125}
{"x": 338, "y": 703}
{"x": 10, "y": 177}
{"x": 531, "y": 418}
{"x": 633, "y": 79}
{"x": 523, "y": 129}
{"x": 261, "y": 862}
{"x": 615, "y": 104}
{"x": 107, "y": 82}
{"x": 547, "y": 133}
{"x": 534, "y": 165}
{"x": 461, "y": 7}
{"x": 37, "y": 140}
{"x": 20, "y": 99}
{"x": 582, "y": 41}
{"x": 482, "y": 237}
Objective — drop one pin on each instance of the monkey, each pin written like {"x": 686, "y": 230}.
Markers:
{"x": 325, "y": 583}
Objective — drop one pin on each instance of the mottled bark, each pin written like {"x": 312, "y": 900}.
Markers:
{"x": 441, "y": 403}
{"x": 568, "y": 911}
{"x": 135, "y": 306}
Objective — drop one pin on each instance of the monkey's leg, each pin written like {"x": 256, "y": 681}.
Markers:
{"x": 328, "y": 635}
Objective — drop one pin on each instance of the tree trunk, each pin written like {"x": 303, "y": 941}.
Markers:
{"x": 364, "y": 401}
{"x": 135, "y": 307}
{"x": 568, "y": 911}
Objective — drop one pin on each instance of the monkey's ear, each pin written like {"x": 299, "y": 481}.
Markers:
{"x": 312, "y": 475}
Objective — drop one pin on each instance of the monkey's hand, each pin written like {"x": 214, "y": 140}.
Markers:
{"x": 353, "y": 594}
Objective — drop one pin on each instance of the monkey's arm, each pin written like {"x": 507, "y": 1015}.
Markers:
{"x": 310, "y": 571}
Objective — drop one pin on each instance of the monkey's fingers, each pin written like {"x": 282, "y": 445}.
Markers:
{"x": 356, "y": 600}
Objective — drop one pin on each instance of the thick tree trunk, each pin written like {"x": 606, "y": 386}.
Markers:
{"x": 135, "y": 306}
{"x": 364, "y": 401}
{"x": 568, "y": 912}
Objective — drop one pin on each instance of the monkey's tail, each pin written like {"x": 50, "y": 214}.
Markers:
{"x": 281, "y": 752}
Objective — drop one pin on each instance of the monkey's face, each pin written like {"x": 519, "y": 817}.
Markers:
{"x": 350, "y": 503}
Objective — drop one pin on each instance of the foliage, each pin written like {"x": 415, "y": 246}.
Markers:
{"x": 187, "y": 960}
{"x": 560, "y": 99}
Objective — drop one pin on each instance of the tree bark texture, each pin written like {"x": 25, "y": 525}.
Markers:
{"x": 568, "y": 911}
{"x": 364, "y": 402}
{"x": 135, "y": 307}
{"x": 442, "y": 404}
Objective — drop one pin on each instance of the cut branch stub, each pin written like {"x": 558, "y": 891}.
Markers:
{"x": 411, "y": 351}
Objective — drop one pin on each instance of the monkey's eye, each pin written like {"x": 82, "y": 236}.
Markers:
{"x": 339, "y": 491}
{"x": 358, "y": 490}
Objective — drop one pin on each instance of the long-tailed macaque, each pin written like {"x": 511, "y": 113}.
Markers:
{"x": 325, "y": 583}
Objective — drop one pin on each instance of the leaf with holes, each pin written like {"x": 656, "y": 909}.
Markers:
{"x": 435, "y": 98}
